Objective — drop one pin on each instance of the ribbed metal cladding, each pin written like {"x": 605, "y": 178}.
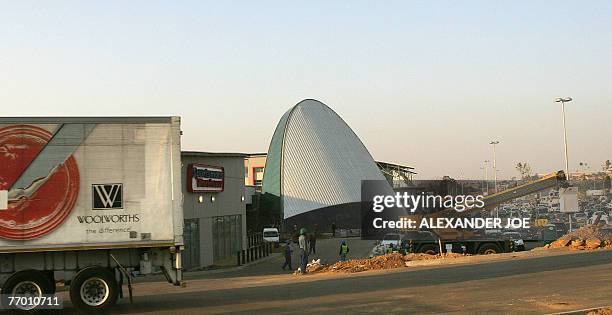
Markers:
{"x": 271, "y": 181}
{"x": 323, "y": 161}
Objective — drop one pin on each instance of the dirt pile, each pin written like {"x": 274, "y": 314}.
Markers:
{"x": 601, "y": 311}
{"x": 588, "y": 237}
{"x": 315, "y": 266}
{"x": 388, "y": 261}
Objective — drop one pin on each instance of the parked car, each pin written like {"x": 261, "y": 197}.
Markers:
{"x": 390, "y": 239}
{"x": 271, "y": 235}
{"x": 580, "y": 216}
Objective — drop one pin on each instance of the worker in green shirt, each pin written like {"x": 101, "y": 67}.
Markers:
{"x": 344, "y": 249}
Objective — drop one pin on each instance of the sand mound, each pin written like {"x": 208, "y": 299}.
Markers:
{"x": 588, "y": 237}
{"x": 388, "y": 261}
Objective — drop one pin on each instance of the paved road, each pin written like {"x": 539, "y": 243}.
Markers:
{"x": 534, "y": 285}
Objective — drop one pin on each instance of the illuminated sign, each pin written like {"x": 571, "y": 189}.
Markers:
{"x": 205, "y": 178}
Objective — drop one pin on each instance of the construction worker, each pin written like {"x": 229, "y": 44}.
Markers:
{"x": 313, "y": 240}
{"x": 288, "y": 252}
{"x": 406, "y": 247}
{"x": 295, "y": 232}
{"x": 312, "y": 243}
{"x": 303, "y": 250}
{"x": 344, "y": 249}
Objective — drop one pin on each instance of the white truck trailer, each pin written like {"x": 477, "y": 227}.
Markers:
{"x": 88, "y": 202}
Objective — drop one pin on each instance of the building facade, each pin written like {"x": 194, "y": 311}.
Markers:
{"x": 254, "y": 165}
{"x": 214, "y": 208}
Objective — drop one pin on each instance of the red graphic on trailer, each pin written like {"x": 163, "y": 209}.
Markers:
{"x": 44, "y": 209}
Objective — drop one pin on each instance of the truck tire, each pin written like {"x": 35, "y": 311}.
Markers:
{"x": 28, "y": 282}
{"x": 428, "y": 249}
{"x": 94, "y": 289}
{"x": 488, "y": 248}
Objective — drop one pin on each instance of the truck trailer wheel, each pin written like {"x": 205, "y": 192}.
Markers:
{"x": 489, "y": 248}
{"x": 27, "y": 283}
{"x": 94, "y": 289}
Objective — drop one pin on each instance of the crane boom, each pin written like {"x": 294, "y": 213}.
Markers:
{"x": 551, "y": 180}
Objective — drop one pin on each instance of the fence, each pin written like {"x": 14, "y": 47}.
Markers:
{"x": 255, "y": 239}
{"x": 253, "y": 253}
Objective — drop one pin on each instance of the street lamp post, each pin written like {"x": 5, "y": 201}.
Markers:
{"x": 494, "y": 143}
{"x": 563, "y": 101}
{"x": 567, "y": 174}
{"x": 486, "y": 171}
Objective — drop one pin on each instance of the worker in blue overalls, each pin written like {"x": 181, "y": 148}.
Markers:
{"x": 288, "y": 252}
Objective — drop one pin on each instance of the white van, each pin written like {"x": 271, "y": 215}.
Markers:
{"x": 271, "y": 235}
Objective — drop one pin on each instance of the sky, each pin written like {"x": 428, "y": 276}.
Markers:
{"x": 422, "y": 83}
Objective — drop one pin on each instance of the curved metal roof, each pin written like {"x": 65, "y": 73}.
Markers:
{"x": 315, "y": 160}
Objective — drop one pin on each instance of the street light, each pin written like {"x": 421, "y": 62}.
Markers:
{"x": 494, "y": 142}
{"x": 563, "y": 101}
{"x": 567, "y": 174}
{"x": 486, "y": 171}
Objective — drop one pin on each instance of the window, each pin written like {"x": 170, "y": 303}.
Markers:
{"x": 270, "y": 234}
{"x": 258, "y": 174}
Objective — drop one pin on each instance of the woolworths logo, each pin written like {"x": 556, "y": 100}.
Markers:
{"x": 113, "y": 218}
{"x": 107, "y": 196}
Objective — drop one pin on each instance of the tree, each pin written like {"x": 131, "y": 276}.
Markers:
{"x": 524, "y": 169}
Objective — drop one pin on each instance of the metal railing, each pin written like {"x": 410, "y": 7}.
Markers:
{"x": 253, "y": 253}
{"x": 255, "y": 239}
